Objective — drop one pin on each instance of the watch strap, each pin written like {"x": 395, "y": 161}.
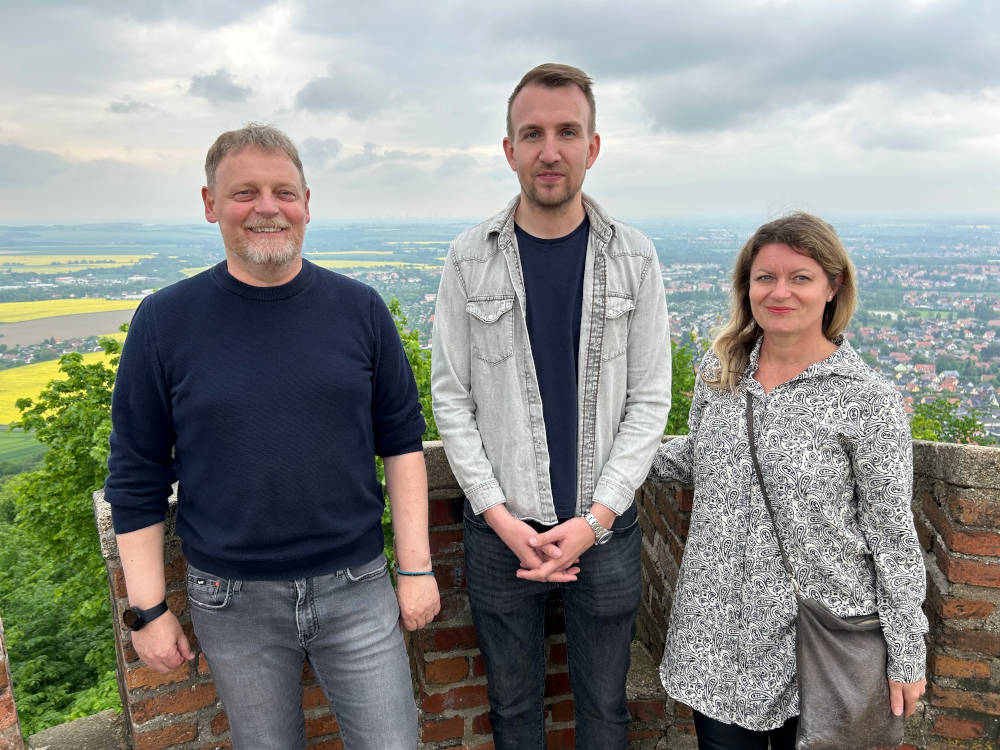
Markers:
{"x": 136, "y": 619}
{"x": 601, "y": 534}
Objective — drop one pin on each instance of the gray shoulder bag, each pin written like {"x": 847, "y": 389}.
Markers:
{"x": 840, "y": 665}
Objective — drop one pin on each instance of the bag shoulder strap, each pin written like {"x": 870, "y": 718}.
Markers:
{"x": 763, "y": 491}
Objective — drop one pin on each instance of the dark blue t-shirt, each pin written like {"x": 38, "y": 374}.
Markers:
{"x": 553, "y": 283}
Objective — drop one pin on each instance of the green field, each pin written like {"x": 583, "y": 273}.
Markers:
{"x": 18, "y": 450}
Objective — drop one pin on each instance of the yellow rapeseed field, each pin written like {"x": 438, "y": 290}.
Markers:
{"x": 368, "y": 264}
{"x": 28, "y": 381}
{"x": 15, "y": 312}
{"x": 424, "y": 242}
{"x": 64, "y": 263}
{"x": 312, "y": 253}
{"x": 76, "y": 260}
{"x": 339, "y": 263}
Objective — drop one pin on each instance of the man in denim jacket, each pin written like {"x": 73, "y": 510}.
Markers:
{"x": 551, "y": 387}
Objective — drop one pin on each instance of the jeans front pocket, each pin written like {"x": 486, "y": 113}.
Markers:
{"x": 627, "y": 522}
{"x": 469, "y": 516}
{"x": 369, "y": 571}
{"x": 208, "y": 591}
{"x": 491, "y": 327}
{"x": 617, "y": 314}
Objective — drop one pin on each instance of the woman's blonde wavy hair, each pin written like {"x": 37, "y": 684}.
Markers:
{"x": 805, "y": 234}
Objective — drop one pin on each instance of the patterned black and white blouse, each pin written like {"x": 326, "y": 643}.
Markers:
{"x": 835, "y": 451}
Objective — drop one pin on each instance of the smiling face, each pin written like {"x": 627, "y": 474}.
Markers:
{"x": 788, "y": 293}
{"x": 551, "y": 147}
{"x": 262, "y": 209}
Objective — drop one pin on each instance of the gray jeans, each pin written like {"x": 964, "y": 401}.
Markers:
{"x": 256, "y": 634}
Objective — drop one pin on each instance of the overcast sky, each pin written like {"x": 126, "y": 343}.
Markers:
{"x": 710, "y": 107}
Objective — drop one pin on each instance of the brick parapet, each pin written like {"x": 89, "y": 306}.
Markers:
{"x": 181, "y": 709}
{"x": 957, "y": 511}
{"x": 10, "y": 728}
{"x": 956, "y": 505}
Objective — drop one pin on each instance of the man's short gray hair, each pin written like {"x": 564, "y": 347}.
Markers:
{"x": 264, "y": 137}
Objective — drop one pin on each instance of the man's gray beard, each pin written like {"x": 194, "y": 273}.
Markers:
{"x": 267, "y": 254}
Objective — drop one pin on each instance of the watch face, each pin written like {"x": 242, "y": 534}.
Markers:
{"x": 131, "y": 619}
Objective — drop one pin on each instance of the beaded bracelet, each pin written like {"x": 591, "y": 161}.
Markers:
{"x": 414, "y": 572}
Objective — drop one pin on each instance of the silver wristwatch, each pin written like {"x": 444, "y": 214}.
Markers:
{"x": 601, "y": 534}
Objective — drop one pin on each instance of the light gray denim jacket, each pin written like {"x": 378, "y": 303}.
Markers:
{"x": 485, "y": 391}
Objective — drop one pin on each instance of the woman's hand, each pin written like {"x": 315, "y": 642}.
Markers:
{"x": 903, "y": 696}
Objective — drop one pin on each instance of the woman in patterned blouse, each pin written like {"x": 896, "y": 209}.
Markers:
{"x": 835, "y": 452}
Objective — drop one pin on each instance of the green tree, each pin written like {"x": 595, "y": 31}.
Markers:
{"x": 939, "y": 420}
{"x": 420, "y": 363}
{"x": 53, "y": 587}
{"x": 870, "y": 359}
{"x": 72, "y": 416}
{"x": 683, "y": 360}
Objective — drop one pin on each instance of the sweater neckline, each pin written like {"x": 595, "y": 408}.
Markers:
{"x": 220, "y": 274}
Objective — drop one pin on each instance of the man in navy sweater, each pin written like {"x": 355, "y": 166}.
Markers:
{"x": 265, "y": 386}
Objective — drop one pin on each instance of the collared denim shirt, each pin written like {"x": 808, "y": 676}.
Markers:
{"x": 485, "y": 390}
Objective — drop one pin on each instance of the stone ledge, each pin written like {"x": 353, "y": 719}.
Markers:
{"x": 103, "y": 731}
{"x": 643, "y": 681}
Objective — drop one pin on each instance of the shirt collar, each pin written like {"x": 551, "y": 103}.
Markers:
{"x": 844, "y": 362}
{"x": 503, "y": 223}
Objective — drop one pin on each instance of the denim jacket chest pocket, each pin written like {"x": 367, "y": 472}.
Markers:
{"x": 491, "y": 327}
{"x": 618, "y": 307}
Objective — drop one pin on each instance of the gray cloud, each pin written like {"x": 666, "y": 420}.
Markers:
{"x": 398, "y": 154}
{"x": 366, "y": 158}
{"x": 19, "y": 165}
{"x": 320, "y": 151}
{"x": 129, "y": 106}
{"x": 348, "y": 89}
{"x": 722, "y": 104}
{"x": 219, "y": 87}
{"x": 693, "y": 66}
{"x": 457, "y": 165}
{"x": 902, "y": 128}
{"x": 706, "y": 72}
{"x": 370, "y": 155}
{"x": 196, "y": 12}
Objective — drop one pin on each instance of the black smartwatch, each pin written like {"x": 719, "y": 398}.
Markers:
{"x": 136, "y": 619}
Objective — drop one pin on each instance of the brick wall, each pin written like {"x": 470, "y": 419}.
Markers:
{"x": 957, "y": 507}
{"x": 957, "y": 504}
{"x": 181, "y": 709}
{"x": 10, "y": 730}
{"x": 449, "y": 674}
{"x": 664, "y": 512}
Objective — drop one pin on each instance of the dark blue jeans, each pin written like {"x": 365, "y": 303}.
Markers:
{"x": 509, "y": 614}
{"x": 714, "y": 735}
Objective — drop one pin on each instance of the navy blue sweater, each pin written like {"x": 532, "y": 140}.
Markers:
{"x": 268, "y": 405}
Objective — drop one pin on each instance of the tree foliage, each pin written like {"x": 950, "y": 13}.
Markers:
{"x": 53, "y": 586}
{"x": 683, "y": 360}
{"x": 420, "y": 363}
{"x": 940, "y": 421}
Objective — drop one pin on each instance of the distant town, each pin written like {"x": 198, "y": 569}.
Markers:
{"x": 928, "y": 318}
